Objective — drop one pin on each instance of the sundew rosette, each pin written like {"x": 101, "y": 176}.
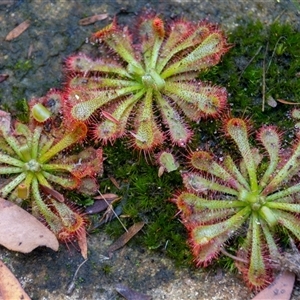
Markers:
{"x": 145, "y": 85}
{"x": 256, "y": 199}
{"x": 37, "y": 163}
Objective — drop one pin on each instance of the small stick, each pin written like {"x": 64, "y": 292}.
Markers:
{"x": 113, "y": 211}
{"x": 250, "y": 61}
{"x": 272, "y": 56}
{"x": 264, "y": 80}
{"x": 233, "y": 257}
{"x": 71, "y": 286}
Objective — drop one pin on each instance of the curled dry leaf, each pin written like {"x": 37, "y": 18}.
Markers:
{"x": 280, "y": 289}
{"x": 3, "y": 77}
{"x": 17, "y": 30}
{"x": 55, "y": 194}
{"x": 130, "y": 294}
{"x": 82, "y": 243}
{"x": 20, "y": 231}
{"x": 126, "y": 237}
{"x": 287, "y": 102}
{"x": 107, "y": 197}
{"x": 10, "y": 287}
{"x": 92, "y": 19}
{"x": 101, "y": 203}
{"x": 114, "y": 182}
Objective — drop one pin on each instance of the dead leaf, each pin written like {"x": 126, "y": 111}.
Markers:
{"x": 126, "y": 237}
{"x": 10, "y": 287}
{"x": 280, "y": 289}
{"x": 107, "y": 197}
{"x": 72, "y": 284}
{"x": 287, "y": 102}
{"x": 101, "y": 203}
{"x": 30, "y": 50}
{"x": 161, "y": 171}
{"x": 17, "y": 30}
{"x": 55, "y": 194}
{"x": 130, "y": 294}
{"x": 92, "y": 19}
{"x": 97, "y": 206}
{"x": 20, "y": 231}
{"x": 271, "y": 101}
{"x": 82, "y": 243}
{"x": 7, "y": 2}
{"x": 3, "y": 77}
{"x": 114, "y": 182}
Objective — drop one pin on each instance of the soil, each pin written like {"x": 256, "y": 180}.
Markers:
{"x": 34, "y": 63}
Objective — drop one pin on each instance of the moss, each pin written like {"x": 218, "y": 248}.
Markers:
{"x": 107, "y": 269}
{"x": 257, "y": 50}
{"x": 22, "y": 110}
{"x": 23, "y": 65}
{"x": 145, "y": 197}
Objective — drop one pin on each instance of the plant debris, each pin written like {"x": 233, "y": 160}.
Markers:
{"x": 10, "y": 287}
{"x": 20, "y": 231}
{"x": 17, "y": 31}
{"x": 130, "y": 294}
{"x": 126, "y": 237}
{"x": 102, "y": 202}
{"x": 51, "y": 192}
{"x": 71, "y": 286}
{"x": 281, "y": 288}
{"x": 3, "y": 77}
{"x": 92, "y": 19}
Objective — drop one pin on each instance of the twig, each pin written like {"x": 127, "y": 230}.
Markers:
{"x": 279, "y": 16}
{"x": 111, "y": 207}
{"x": 71, "y": 286}
{"x": 264, "y": 79}
{"x": 250, "y": 61}
{"x": 272, "y": 56}
{"x": 233, "y": 257}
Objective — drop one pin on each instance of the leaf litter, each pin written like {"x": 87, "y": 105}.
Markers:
{"x": 125, "y": 237}
{"x": 101, "y": 203}
{"x": 17, "y": 31}
{"x": 20, "y": 231}
{"x": 130, "y": 294}
{"x": 10, "y": 288}
{"x": 92, "y": 19}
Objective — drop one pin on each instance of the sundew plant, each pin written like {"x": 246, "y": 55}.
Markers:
{"x": 146, "y": 87}
{"x": 257, "y": 199}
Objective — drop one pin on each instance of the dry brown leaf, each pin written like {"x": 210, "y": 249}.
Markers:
{"x": 107, "y": 197}
{"x": 126, "y": 237}
{"x": 280, "y": 289}
{"x": 114, "y": 182}
{"x": 3, "y": 77}
{"x": 17, "y": 30}
{"x": 92, "y": 19}
{"x": 82, "y": 243}
{"x": 10, "y": 287}
{"x": 130, "y": 294}
{"x": 20, "y": 231}
{"x": 55, "y": 194}
{"x": 287, "y": 102}
{"x": 101, "y": 203}
{"x": 7, "y": 2}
